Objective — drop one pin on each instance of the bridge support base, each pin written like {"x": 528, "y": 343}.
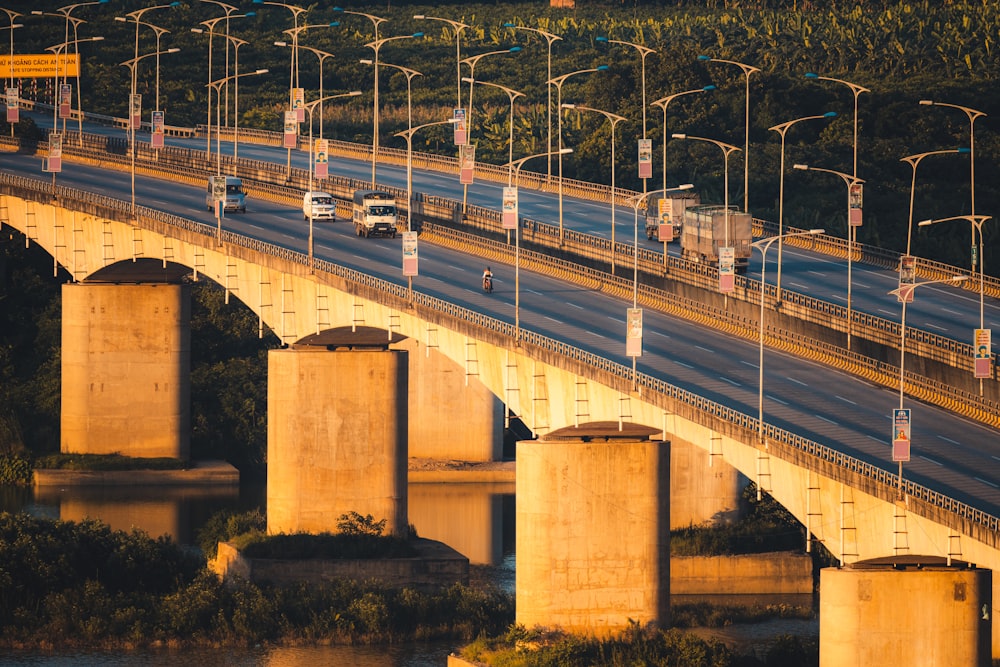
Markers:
{"x": 336, "y": 438}
{"x": 592, "y": 527}
{"x": 905, "y": 610}
{"x": 126, "y": 369}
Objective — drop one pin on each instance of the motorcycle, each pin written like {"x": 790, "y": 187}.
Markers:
{"x": 488, "y": 284}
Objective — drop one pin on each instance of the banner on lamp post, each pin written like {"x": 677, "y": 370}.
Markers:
{"x": 907, "y": 276}
{"x": 727, "y": 269}
{"x": 633, "y": 332}
{"x": 322, "y": 151}
{"x": 13, "y": 112}
{"x": 156, "y": 139}
{"x": 467, "y": 163}
{"x": 509, "y": 216}
{"x": 299, "y": 104}
{"x": 461, "y": 135}
{"x": 409, "y": 253}
{"x": 54, "y": 163}
{"x": 645, "y": 158}
{"x": 291, "y": 135}
{"x": 901, "y": 434}
{"x": 854, "y": 207}
{"x": 983, "y": 353}
{"x": 65, "y": 100}
{"x": 135, "y": 111}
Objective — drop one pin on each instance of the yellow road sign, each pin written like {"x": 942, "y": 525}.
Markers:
{"x": 40, "y": 65}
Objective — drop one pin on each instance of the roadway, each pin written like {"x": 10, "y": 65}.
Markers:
{"x": 950, "y": 454}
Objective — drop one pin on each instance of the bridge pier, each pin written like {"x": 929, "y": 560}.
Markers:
{"x": 336, "y": 438}
{"x": 592, "y": 526}
{"x": 126, "y": 369}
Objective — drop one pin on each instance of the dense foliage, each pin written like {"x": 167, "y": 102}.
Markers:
{"x": 82, "y": 584}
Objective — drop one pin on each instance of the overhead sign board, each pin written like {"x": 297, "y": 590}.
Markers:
{"x": 39, "y": 66}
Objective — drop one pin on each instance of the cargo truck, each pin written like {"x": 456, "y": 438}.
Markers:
{"x": 374, "y": 213}
{"x": 665, "y": 212}
{"x": 703, "y": 232}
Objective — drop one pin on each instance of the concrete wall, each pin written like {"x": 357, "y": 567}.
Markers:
{"x": 704, "y": 489}
{"x": 593, "y": 545}
{"x": 748, "y": 574}
{"x": 126, "y": 370}
{"x": 336, "y": 438}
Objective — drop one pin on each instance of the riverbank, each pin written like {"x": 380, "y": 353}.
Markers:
{"x": 421, "y": 470}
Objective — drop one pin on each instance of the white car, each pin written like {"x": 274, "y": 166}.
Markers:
{"x": 320, "y": 205}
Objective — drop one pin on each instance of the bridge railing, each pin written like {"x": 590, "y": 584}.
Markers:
{"x": 617, "y": 374}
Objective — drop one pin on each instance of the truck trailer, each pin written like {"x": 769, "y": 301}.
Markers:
{"x": 703, "y": 232}
{"x": 665, "y": 213}
{"x": 374, "y": 213}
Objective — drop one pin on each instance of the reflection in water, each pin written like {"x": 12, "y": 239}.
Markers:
{"x": 466, "y": 517}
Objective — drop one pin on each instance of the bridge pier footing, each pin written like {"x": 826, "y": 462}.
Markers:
{"x": 593, "y": 529}
{"x": 126, "y": 369}
{"x": 336, "y": 438}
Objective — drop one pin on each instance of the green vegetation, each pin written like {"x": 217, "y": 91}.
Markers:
{"x": 106, "y": 462}
{"x": 65, "y": 584}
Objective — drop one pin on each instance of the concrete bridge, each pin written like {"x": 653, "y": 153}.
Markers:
{"x": 127, "y": 276}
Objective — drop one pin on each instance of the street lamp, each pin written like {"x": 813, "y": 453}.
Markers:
{"x": 458, "y": 27}
{"x": 409, "y": 74}
{"x": 471, "y": 62}
{"x": 747, "y": 71}
{"x": 375, "y": 46}
{"x": 727, "y": 150}
{"x": 905, "y": 293}
{"x": 67, "y": 41}
{"x": 914, "y": 161}
{"x": 210, "y": 24}
{"x": 11, "y": 15}
{"x": 614, "y": 119}
{"x": 67, "y": 11}
{"x": 763, "y": 245}
{"x": 516, "y": 166}
{"x": 511, "y": 95}
{"x": 309, "y": 111}
{"x": 217, "y": 87}
{"x": 972, "y": 114}
{"x": 137, "y": 17}
{"x": 856, "y": 90}
{"x": 549, "y": 38}
{"x": 978, "y": 252}
{"x": 782, "y": 130}
{"x": 849, "y": 181}
{"x": 558, "y": 82}
{"x": 663, "y": 103}
{"x": 322, "y": 56}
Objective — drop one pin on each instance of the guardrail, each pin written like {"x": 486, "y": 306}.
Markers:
{"x": 980, "y": 524}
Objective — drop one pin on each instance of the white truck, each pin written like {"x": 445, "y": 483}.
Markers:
{"x": 374, "y": 213}
{"x": 665, "y": 214}
{"x": 319, "y": 206}
{"x": 704, "y": 232}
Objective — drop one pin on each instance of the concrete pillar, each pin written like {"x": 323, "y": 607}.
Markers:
{"x": 704, "y": 489}
{"x": 459, "y": 417}
{"x": 905, "y": 610}
{"x": 593, "y": 529}
{"x": 336, "y": 438}
{"x": 126, "y": 361}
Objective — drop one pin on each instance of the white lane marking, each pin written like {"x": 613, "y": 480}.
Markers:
{"x": 704, "y": 349}
{"x": 659, "y": 333}
{"x": 845, "y": 400}
{"x": 681, "y": 363}
{"x": 862, "y": 285}
{"x": 574, "y": 305}
{"x": 747, "y": 363}
{"x": 956, "y": 442}
{"x": 930, "y": 460}
{"x": 791, "y": 379}
{"x": 732, "y": 382}
{"x": 776, "y": 399}
{"x": 953, "y": 312}
{"x": 987, "y": 483}
{"x": 887, "y": 312}
{"x": 595, "y": 334}
{"x": 552, "y": 319}
{"x": 534, "y": 292}
{"x": 828, "y": 421}
{"x": 615, "y": 319}
{"x": 934, "y": 326}
{"x": 817, "y": 273}
{"x": 878, "y": 440}
{"x": 800, "y": 286}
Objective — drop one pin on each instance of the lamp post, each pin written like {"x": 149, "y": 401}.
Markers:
{"x": 471, "y": 62}
{"x": 763, "y": 245}
{"x": 511, "y": 95}
{"x": 11, "y": 15}
{"x": 549, "y": 38}
{"x": 914, "y": 161}
{"x": 558, "y": 83}
{"x": 782, "y": 130}
{"x": 309, "y": 106}
{"x": 458, "y": 27}
{"x": 978, "y": 252}
{"x": 663, "y": 103}
{"x": 210, "y": 24}
{"x": 376, "y": 46}
{"x": 137, "y": 17}
{"x": 516, "y": 167}
{"x": 727, "y": 150}
{"x": 614, "y": 119}
{"x": 409, "y": 74}
{"x": 67, "y": 41}
{"x": 322, "y": 56}
{"x": 67, "y": 11}
{"x": 904, "y": 293}
{"x": 217, "y": 87}
{"x": 747, "y": 71}
{"x": 229, "y": 11}
{"x": 856, "y": 91}
{"x": 849, "y": 181}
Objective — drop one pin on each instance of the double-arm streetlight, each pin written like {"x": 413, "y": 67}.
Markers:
{"x": 747, "y": 71}
{"x": 458, "y": 27}
{"x": 663, "y": 103}
{"x": 159, "y": 32}
{"x": 471, "y": 62}
{"x": 558, "y": 83}
{"x": 763, "y": 245}
{"x": 978, "y": 253}
{"x": 516, "y": 167}
{"x": 550, "y": 38}
{"x": 11, "y": 15}
{"x": 67, "y": 11}
{"x": 727, "y": 150}
{"x": 410, "y": 74}
{"x": 511, "y": 95}
{"x": 856, "y": 91}
{"x": 782, "y": 130}
{"x": 914, "y": 161}
{"x": 376, "y": 46}
{"x": 217, "y": 87}
{"x": 322, "y": 56}
{"x": 905, "y": 293}
{"x": 972, "y": 115}
{"x": 613, "y": 119}
{"x": 136, "y": 16}
{"x": 850, "y": 181}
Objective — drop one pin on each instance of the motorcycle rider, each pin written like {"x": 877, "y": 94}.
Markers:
{"x": 487, "y": 280}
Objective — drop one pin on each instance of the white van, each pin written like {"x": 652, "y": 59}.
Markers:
{"x": 227, "y": 189}
{"x": 320, "y": 204}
